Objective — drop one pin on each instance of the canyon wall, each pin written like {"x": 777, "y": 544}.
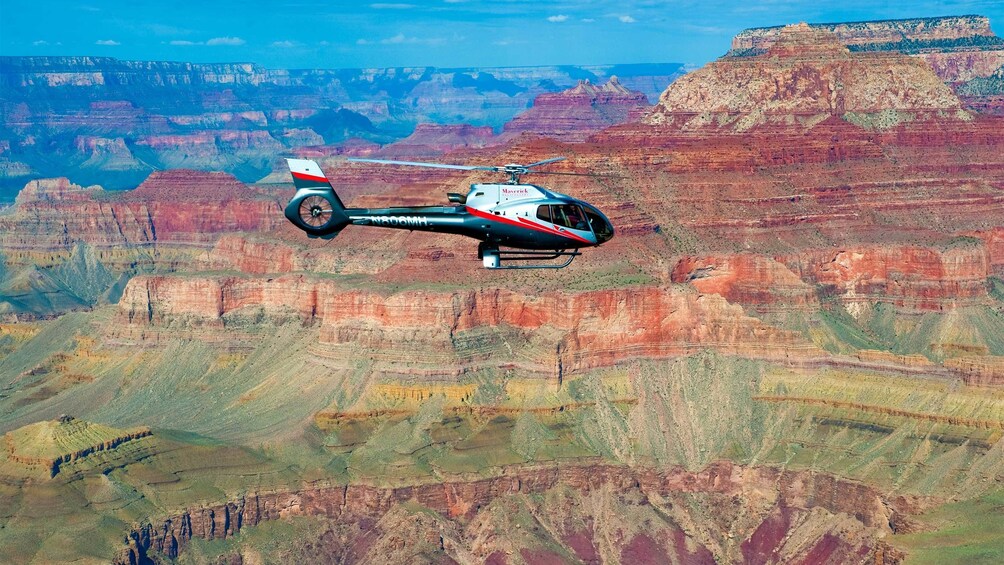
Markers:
{"x": 776, "y": 498}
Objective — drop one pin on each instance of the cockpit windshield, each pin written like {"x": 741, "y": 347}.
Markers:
{"x": 601, "y": 225}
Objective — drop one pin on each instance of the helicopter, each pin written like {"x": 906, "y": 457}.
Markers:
{"x": 540, "y": 228}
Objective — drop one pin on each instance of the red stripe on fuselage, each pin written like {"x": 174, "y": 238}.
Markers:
{"x": 305, "y": 176}
{"x": 524, "y": 223}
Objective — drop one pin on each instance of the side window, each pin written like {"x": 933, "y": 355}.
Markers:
{"x": 544, "y": 213}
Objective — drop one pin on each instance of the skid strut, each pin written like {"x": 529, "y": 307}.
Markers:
{"x": 495, "y": 258}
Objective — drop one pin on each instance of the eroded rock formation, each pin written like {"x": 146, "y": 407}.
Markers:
{"x": 576, "y": 113}
{"x": 778, "y": 514}
{"x": 806, "y": 76}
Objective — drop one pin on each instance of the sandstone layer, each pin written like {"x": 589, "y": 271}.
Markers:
{"x": 588, "y": 329}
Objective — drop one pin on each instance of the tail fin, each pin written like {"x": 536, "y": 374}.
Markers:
{"x": 306, "y": 174}
{"x": 315, "y": 208}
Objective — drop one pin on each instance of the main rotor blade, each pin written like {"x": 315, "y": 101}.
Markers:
{"x": 596, "y": 175}
{"x": 544, "y": 162}
{"x": 416, "y": 164}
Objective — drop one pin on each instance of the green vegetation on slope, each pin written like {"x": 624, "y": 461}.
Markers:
{"x": 966, "y": 532}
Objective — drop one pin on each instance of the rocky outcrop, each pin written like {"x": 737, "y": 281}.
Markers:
{"x": 963, "y": 50}
{"x": 959, "y": 48}
{"x": 806, "y": 76}
{"x": 756, "y": 282}
{"x": 55, "y": 190}
{"x": 912, "y": 278}
{"x": 186, "y": 207}
{"x": 432, "y": 140}
{"x": 49, "y": 444}
{"x": 181, "y": 185}
{"x": 879, "y": 33}
{"x": 979, "y": 371}
{"x": 993, "y": 239}
{"x": 780, "y": 503}
{"x": 576, "y": 113}
{"x": 587, "y": 329}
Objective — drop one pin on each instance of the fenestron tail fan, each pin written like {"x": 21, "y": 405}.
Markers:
{"x": 316, "y": 208}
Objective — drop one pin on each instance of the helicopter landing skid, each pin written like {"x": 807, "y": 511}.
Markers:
{"x": 494, "y": 258}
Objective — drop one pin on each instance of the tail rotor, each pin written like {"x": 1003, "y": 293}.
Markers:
{"x": 315, "y": 208}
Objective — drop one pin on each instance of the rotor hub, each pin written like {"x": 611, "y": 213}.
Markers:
{"x": 315, "y": 211}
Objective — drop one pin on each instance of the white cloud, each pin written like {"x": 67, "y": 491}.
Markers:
{"x": 161, "y": 29}
{"x": 39, "y": 43}
{"x": 285, "y": 44}
{"x": 588, "y": 20}
{"x": 557, "y": 19}
{"x": 627, "y": 19}
{"x": 401, "y": 38}
{"x": 107, "y": 42}
{"x": 229, "y": 41}
{"x": 383, "y": 6}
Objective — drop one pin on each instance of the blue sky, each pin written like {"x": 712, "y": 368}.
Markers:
{"x": 443, "y": 33}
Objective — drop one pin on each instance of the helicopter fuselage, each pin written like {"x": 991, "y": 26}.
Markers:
{"x": 523, "y": 216}
{"x": 546, "y": 225}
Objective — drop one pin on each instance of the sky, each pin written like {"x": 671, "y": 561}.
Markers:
{"x": 440, "y": 33}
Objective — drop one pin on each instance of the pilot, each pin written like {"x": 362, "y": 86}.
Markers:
{"x": 577, "y": 222}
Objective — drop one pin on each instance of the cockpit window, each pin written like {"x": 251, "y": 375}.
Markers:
{"x": 544, "y": 212}
{"x": 569, "y": 216}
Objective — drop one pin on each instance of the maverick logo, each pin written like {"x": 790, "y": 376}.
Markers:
{"x": 400, "y": 220}
{"x": 515, "y": 191}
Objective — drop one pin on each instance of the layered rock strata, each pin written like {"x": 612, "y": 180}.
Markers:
{"x": 807, "y": 73}
{"x": 576, "y": 113}
{"x": 587, "y": 329}
{"x": 911, "y": 278}
{"x": 780, "y": 503}
{"x": 963, "y": 50}
{"x": 49, "y": 444}
{"x": 171, "y": 207}
{"x": 111, "y": 122}
{"x": 431, "y": 140}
